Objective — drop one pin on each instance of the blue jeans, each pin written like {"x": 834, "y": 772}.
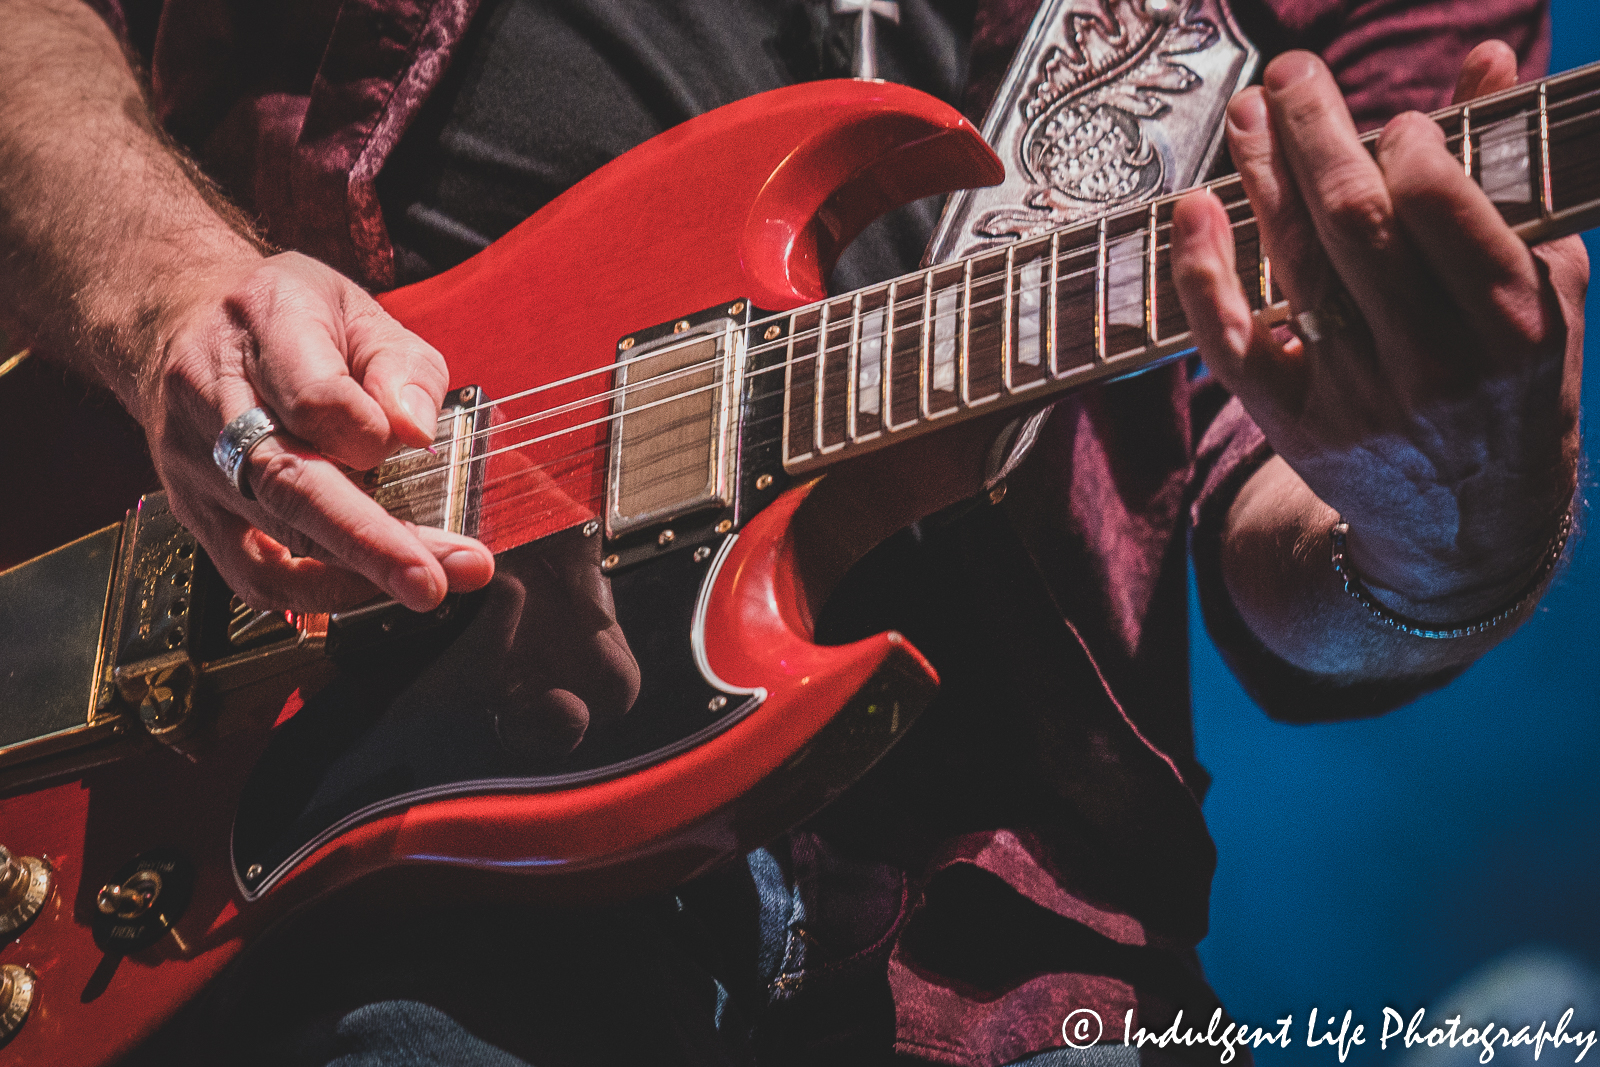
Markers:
{"x": 771, "y": 961}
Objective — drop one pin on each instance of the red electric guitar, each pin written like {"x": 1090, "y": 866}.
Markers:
{"x": 650, "y": 382}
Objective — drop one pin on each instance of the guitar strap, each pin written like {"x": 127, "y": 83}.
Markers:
{"x": 1106, "y": 103}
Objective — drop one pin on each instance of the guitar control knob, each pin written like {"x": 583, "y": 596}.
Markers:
{"x": 16, "y": 999}
{"x": 25, "y": 885}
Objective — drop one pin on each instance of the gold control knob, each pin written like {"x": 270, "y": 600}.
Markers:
{"x": 16, "y": 999}
{"x": 25, "y": 885}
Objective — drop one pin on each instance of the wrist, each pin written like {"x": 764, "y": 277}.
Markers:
{"x": 138, "y": 330}
{"x": 1449, "y": 589}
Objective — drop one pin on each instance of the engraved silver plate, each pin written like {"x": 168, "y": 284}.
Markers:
{"x": 1108, "y": 103}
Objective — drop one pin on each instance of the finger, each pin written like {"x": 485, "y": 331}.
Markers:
{"x": 1340, "y": 183}
{"x": 1240, "y": 352}
{"x": 1300, "y": 269}
{"x": 265, "y": 575}
{"x": 292, "y": 317}
{"x": 1485, "y": 268}
{"x": 1489, "y": 68}
{"x": 467, "y": 564}
{"x": 1349, "y": 203}
{"x": 404, "y": 374}
{"x": 299, "y": 492}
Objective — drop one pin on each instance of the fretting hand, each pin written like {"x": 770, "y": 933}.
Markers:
{"x": 1437, "y": 414}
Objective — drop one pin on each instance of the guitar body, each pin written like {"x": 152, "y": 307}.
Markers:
{"x": 582, "y": 729}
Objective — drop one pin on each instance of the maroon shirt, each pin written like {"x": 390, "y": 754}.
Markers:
{"x": 296, "y": 115}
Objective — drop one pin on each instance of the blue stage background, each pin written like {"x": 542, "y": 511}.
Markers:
{"x": 1372, "y": 864}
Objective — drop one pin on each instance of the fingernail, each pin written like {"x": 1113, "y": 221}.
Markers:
{"x": 418, "y": 581}
{"x": 466, "y": 565}
{"x": 1290, "y": 69}
{"x": 1248, "y": 112}
{"x": 419, "y": 405}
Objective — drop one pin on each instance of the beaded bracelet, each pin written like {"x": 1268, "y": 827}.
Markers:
{"x": 1357, "y": 589}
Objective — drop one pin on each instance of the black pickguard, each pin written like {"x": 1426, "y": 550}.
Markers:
{"x": 556, "y": 675}
{"x": 529, "y": 689}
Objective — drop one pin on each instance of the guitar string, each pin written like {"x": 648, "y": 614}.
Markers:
{"x": 920, "y": 277}
{"x": 1133, "y": 304}
{"x": 827, "y": 350}
{"x": 846, "y": 325}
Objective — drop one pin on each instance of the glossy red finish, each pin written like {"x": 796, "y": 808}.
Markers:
{"x": 748, "y": 202}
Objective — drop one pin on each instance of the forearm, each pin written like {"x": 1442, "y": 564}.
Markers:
{"x": 104, "y": 229}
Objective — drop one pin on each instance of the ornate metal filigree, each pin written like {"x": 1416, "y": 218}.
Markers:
{"x": 1109, "y": 102}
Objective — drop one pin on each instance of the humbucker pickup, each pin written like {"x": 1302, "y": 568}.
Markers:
{"x": 674, "y": 417}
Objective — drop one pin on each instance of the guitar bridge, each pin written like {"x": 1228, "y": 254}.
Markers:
{"x": 441, "y": 488}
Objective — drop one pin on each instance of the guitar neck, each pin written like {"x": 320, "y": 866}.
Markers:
{"x": 1039, "y": 317}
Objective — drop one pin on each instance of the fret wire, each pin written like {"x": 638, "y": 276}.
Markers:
{"x": 818, "y": 373}
{"x": 789, "y": 364}
{"x": 964, "y": 363}
{"x": 1101, "y": 266}
{"x": 1466, "y": 139}
{"x": 1006, "y": 340}
{"x": 888, "y": 359}
{"x": 924, "y": 366}
{"x": 1055, "y": 278}
{"x": 1546, "y": 199}
{"x": 1560, "y": 83}
{"x": 1152, "y": 325}
{"x": 853, "y": 366}
{"x": 1547, "y": 125}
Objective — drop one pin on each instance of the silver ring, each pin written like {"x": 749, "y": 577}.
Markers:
{"x": 1337, "y": 314}
{"x": 235, "y": 443}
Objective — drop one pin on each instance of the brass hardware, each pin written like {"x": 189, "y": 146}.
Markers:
{"x": 626, "y": 343}
{"x": 16, "y": 998}
{"x": 998, "y": 493}
{"x": 245, "y": 624}
{"x": 254, "y": 871}
{"x": 702, "y": 554}
{"x": 771, "y": 334}
{"x": 764, "y": 482}
{"x": 724, "y": 526}
{"x": 142, "y": 901}
{"x": 718, "y": 703}
{"x": 665, "y": 538}
{"x": 161, "y": 690}
{"x": 469, "y": 393}
{"x": 591, "y": 528}
{"x": 72, "y": 593}
{"x": 155, "y": 670}
{"x": 680, "y": 326}
{"x": 132, "y": 898}
{"x": 14, "y": 362}
{"x": 610, "y": 561}
{"x": 25, "y": 885}
{"x": 737, "y": 308}
{"x": 313, "y": 627}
